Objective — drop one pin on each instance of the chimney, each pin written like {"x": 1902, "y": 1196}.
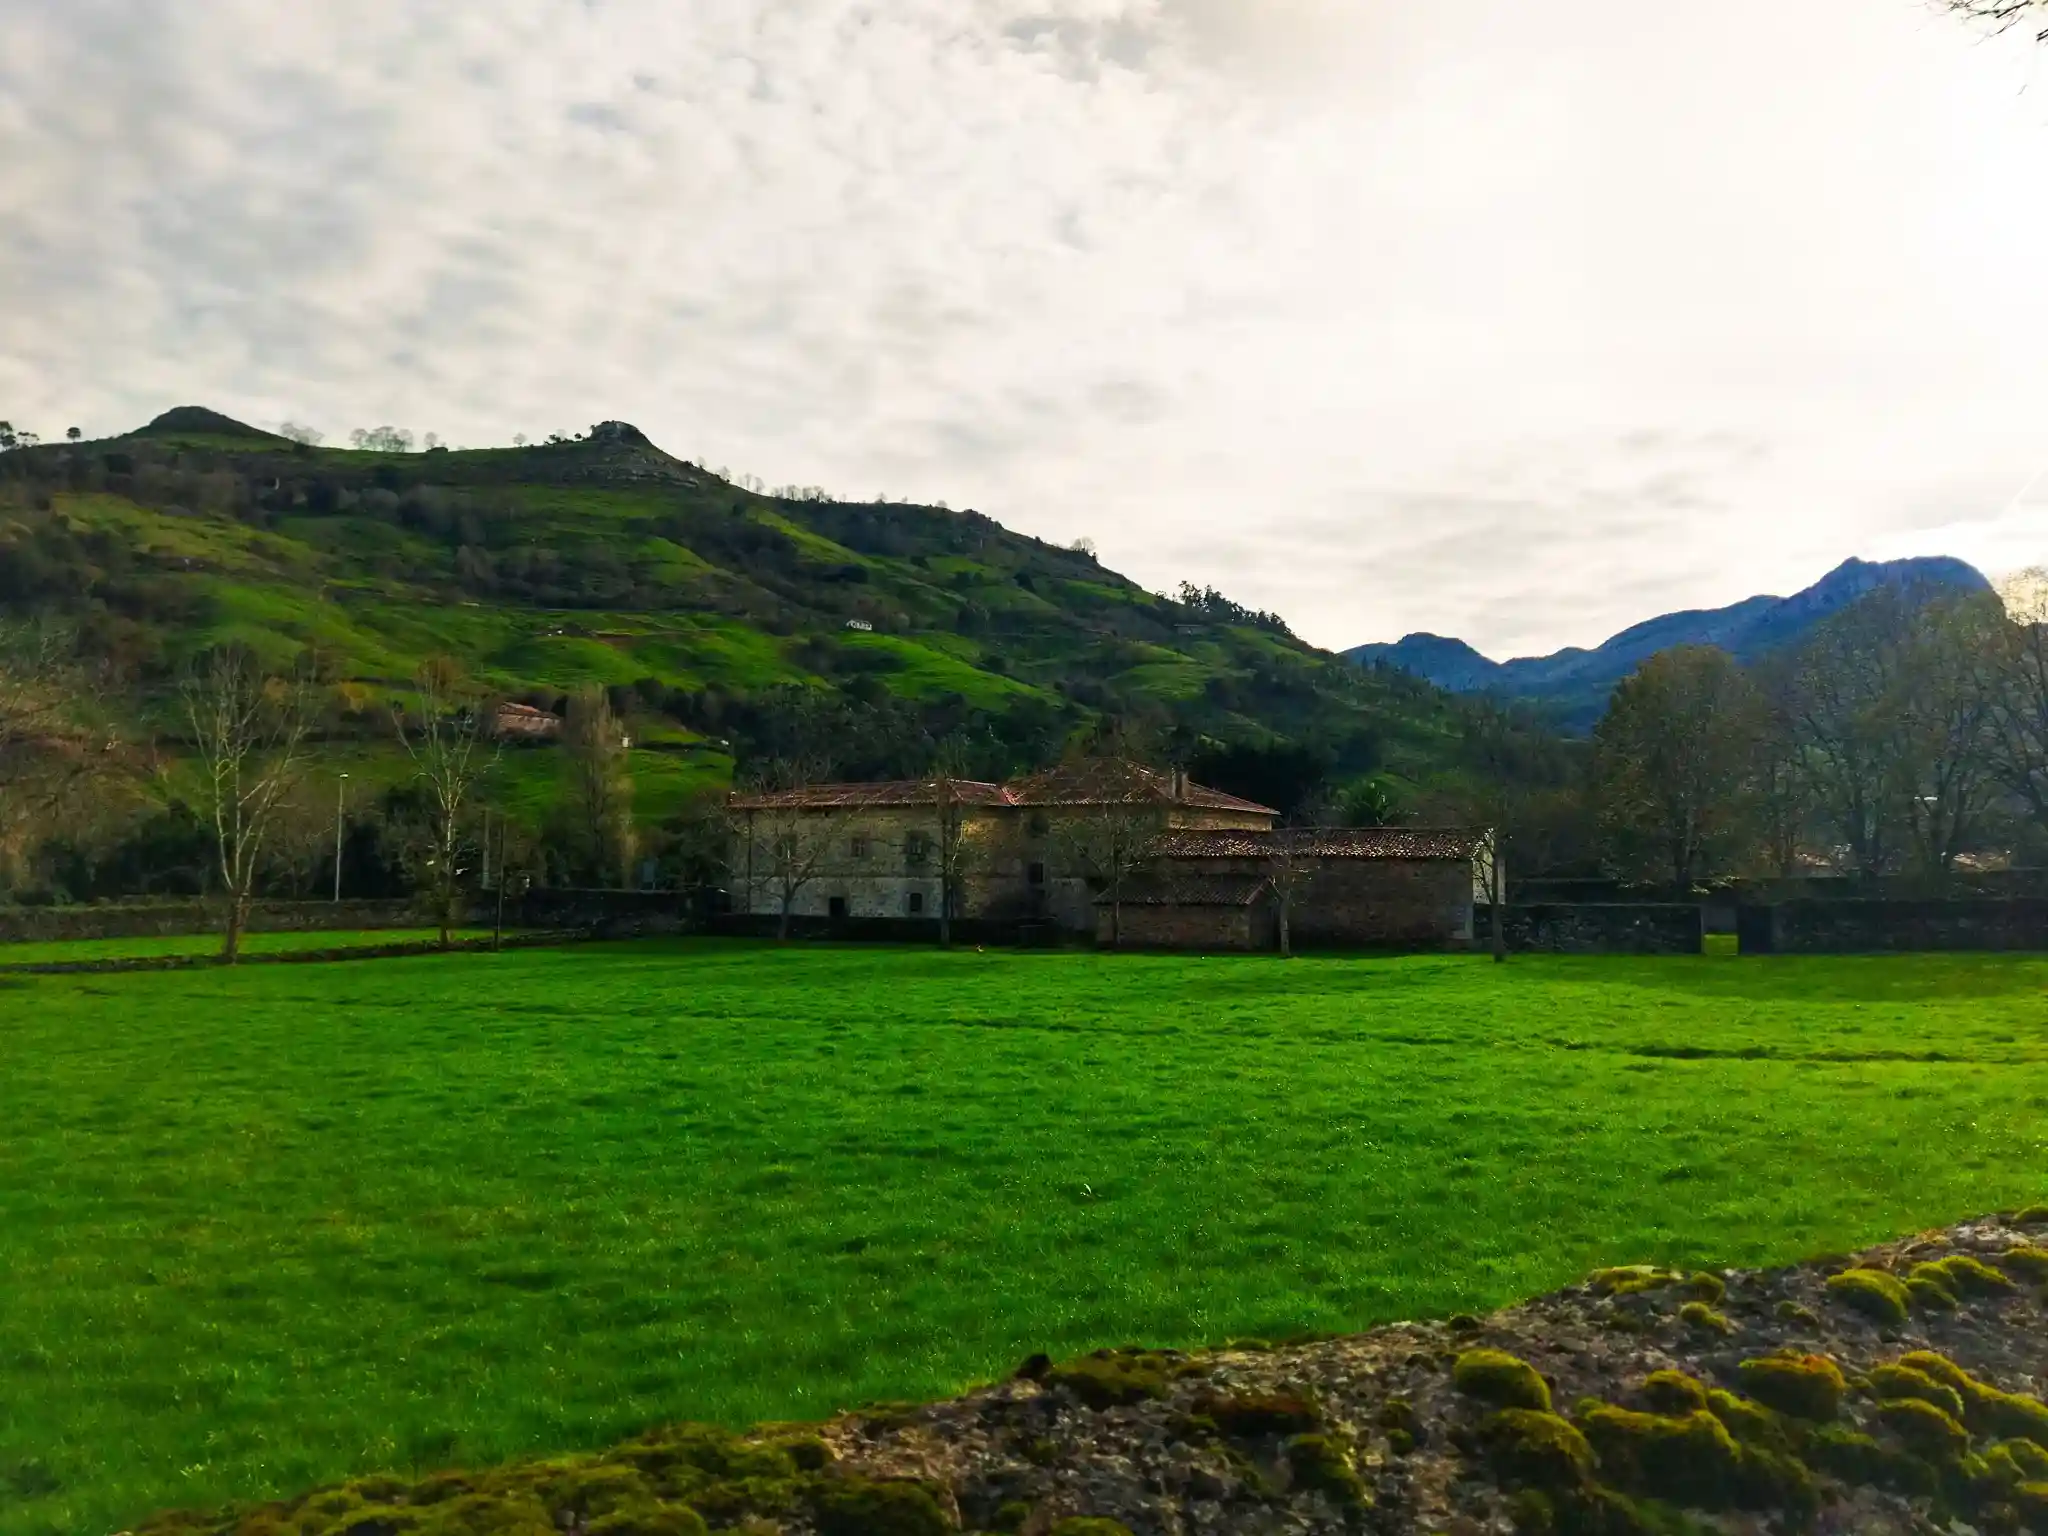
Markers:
{"x": 1180, "y": 784}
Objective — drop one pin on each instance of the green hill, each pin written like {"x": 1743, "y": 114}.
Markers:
{"x": 727, "y": 623}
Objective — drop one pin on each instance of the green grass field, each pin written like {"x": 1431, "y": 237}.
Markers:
{"x": 61, "y": 951}
{"x": 266, "y": 1228}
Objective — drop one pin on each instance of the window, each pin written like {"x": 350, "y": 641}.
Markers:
{"x": 1037, "y": 874}
{"x": 860, "y": 847}
{"x": 914, "y": 903}
{"x": 1038, "y": 824}
{"x": 836, "y": 907}
{"x": 916, "y": 849}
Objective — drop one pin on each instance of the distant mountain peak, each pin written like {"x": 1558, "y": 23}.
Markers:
{"x": 1578, "y": 681}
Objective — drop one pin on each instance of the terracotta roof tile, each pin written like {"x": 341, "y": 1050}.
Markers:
{"x": 898, "y": 794}
{"x": 1327, "y": 843}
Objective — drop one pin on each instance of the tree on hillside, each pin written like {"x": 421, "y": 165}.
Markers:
{"x": 599, "y": 802}
{"x": 447, "y": 738}
{"x": 12, "y": 436}
{"x": 1780, "y": 790}
{"x": 1672, "y": 759}
{"x": 53, "y": 746}
{"x": 248, "y": 731}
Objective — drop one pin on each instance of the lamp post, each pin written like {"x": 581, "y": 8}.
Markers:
{"x": 340, "y": 800}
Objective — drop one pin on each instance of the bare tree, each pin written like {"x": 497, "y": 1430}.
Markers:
{"x": 2002, "y": 15}
{"x": 1292, "y": 865}
{"x": 1108, "y": 842}
{"x": 784, "y": 833}
{"x": 600, "y": 797}
{"x": 249, "y": 730}
{"x": 1780, "y": 793}
{"x": 448, "y": 742}
{"x": 307, "y": 436}
{"x": 1497, "y": 786}
{"x": 1945, "y": 719}
{"x": 2019, "y": 713}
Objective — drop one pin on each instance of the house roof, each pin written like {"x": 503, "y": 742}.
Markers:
{"x": 897, "y": 794}
{"x": 1178, "y": 890}
{"x": 1416, "y": 843}
{"x": 1115, "y": 781}
{"x": 1095, "y": 782}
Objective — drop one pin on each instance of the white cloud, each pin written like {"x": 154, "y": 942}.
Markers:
{"x": 1508, "y": 321}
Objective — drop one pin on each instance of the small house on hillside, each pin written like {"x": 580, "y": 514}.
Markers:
{"x": 524, "y": 722}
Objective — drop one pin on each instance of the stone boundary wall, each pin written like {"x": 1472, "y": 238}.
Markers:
{"x": 180, "y": 919}
{"x": 893, "y": 930}
{"x": 1851, "y": 927}
{"x": 1595, "y": 928}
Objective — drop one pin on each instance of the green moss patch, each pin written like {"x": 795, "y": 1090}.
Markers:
{"x": 1872, "y": 1292}
{"x": 1538, "y": 1448}
{"x": 1251, "y": 1415}
{"x": 1674, "y": 1392}
{"x": 1701, "y": 1318}
{"x": 2026, "y": 1260}
{"x": 1962, "y": 1275}
{"x": 1323, "y": 1464}
{"x": 1924, "y": 1429}
{"x": 1692, "y": 1459}
{"x": 1893, "y": 1383}
{"x": 1112, "y": 1378}
{"x": 1505, "y": 1380}
{"x": 1632, "y": 1279}
{"x": 1089, "y": 1525}
{"x": 1804, "y": 1386}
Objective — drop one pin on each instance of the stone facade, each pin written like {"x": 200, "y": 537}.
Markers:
{"x": 1015, "y": 853}
{"x": 1600, "y": 928}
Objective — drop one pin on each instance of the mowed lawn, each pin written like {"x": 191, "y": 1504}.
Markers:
{"x": 200, "y": 945}
{"x": 267, "y": 1228}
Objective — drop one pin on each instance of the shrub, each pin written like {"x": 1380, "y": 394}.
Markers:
{"x": 1702, "y": 1318}
{"x": 1892, "y": 1383}
{"x": 1804, "y": 1386}
{"x": 1496, "y": 1377}
{"x": 1674, "y": 1392}
{"x": 1924, "y": 1429}
{"x": 1872, "y": 1292}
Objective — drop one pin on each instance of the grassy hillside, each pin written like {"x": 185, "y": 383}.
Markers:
{"x": 718, "y": 617}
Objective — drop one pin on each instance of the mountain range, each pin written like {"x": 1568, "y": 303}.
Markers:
{"x": 1578, "y": 681}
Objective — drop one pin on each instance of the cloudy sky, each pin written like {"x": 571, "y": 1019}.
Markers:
{"x": 1518, "y": 322}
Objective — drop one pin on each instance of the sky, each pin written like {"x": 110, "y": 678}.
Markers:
{"x": 1519, "y": 323}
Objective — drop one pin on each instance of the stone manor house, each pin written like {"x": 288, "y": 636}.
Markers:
{"x": 1134, "y": 856}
